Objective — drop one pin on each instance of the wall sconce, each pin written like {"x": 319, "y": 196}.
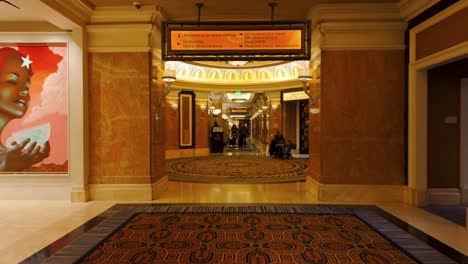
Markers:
{"x": 202, "y": 109}
{"x": 273, "y": 108}
{"x": 305, "y": 76}
{"x": 216, "y": 112}
{"x": 212, "y": 108}
{"x": 314, "y": 110}
{"x": 168, "y": 77}
{"x": 174, "y": 110}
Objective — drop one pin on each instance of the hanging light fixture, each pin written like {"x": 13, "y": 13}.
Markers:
{"x": 169, "y": 76}
{"x": 238, "y": 63}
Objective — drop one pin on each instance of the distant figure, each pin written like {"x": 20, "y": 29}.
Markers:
{"x": 243, "y": 134}
{"x": 234, "y": 135}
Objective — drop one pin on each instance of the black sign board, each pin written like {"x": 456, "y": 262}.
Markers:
{"x": 264, "y": 40}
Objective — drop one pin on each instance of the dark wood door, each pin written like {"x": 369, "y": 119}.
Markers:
{"x": 304, "y": 127}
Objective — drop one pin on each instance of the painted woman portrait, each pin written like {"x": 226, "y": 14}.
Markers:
{"x": 15, "y": 81}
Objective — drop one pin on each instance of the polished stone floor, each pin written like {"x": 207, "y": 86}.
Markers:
{"x": 30, "y": 226}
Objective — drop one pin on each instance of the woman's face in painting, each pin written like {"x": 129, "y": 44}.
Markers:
{"x": 14, "y": 88}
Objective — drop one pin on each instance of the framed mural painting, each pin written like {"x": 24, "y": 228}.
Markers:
{"x": 33, "y": 108}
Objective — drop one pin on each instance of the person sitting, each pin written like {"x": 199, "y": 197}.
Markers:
{"x": 279, "y": 147}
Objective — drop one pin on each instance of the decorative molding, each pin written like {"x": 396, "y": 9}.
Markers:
{"x": 78, "y": 11}
{"x": 354, "y": 12}
{"x": 362, "y": 35}
{"x": 127, "y": 14}
{"x": 450, "y": 52}
{"x": 277, "y": 73}
{"x": 444, "y": 196}
{"x": 442, "y": 57}
{"x": 361, "y": 193}
{"x": 230, "y": 87}
{"x": 30, "y": 26}
{"x": 46, "y": 37}
{"x": 440, "y": 16}
{"x": 120, "y": 192}
{"x": 119, "y": 38}
{"x": 411, "y": 8}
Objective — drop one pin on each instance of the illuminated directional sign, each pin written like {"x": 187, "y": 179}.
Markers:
{"x": 234, "y": 40}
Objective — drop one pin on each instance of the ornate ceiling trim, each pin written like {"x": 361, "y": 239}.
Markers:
{"x": 411, "y": 8}
{"x": 278, "y": 73}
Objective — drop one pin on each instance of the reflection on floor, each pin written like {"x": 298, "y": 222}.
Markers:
{"x": 29, "y": 226}
{"x": 454, "y": 213}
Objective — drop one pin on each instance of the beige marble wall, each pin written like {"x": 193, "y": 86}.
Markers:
{"x": 362, "y": 117}
{"x": 119, "y": 132}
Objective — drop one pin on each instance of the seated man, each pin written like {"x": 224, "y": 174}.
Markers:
{"x": 279, "y": 147}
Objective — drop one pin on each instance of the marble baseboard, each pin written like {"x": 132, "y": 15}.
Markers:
{"x": 415, "y": 197}
{"x": 444, "y": 196}
{"x": 79, "y": 194}
{"x": 312, "y": 186}
{"x": 35, "y": 187}
{"x": 361, "y": 193}
{"x": 464, "y": 196}
{"x": 120, "y": 192}
{"x": 159, "y": 187}
{"x": 180, "y": 153}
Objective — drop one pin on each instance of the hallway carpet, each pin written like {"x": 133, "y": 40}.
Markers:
{"x": 247, "y": 234}
{"x": 236, "y": 169}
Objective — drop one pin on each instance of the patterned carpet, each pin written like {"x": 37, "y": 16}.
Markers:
{"x": 236, "y": 169}
{"x": 247, "y": 234}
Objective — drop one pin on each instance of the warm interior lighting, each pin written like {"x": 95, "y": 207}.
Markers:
{"x": 169, "y": 76}
{"x": 203, "y": 107}
{"x": 239, "y": 100}
{"x": 174, "y": 110}
{"x": 216, "y": 112}
{"x": 274, "y": 107}
{"x": 304, "y": 75}
{"x": 237, "y": 63}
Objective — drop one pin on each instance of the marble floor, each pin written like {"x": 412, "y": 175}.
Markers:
{"x": 29, "y": 226}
